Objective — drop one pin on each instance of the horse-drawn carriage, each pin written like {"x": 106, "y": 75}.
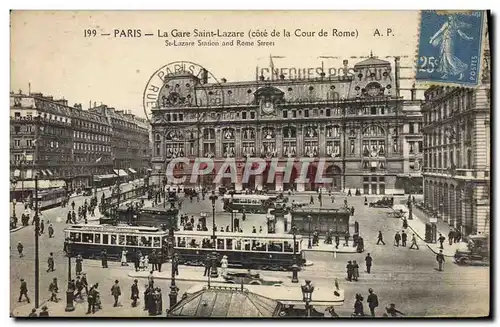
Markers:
{"x": 385, "y": 202}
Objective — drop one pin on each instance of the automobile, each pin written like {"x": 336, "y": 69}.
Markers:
{"x": 250, "y": 279}
{"x": 476, "y": 253}
{"x": 385, "y": 202}
{"x": 87, "y": 191}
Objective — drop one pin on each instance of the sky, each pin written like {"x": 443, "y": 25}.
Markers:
{"x": 49, "y": 50}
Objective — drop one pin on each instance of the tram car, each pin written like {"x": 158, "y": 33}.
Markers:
{"x": 51, "y": 198}
{"x": 322, "y": 220}
{"x": 250, "y": 203}
{"x": 90, "y": 240}
{"x": 251, "y": 251}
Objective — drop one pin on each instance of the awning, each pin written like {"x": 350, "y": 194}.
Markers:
{"x": 49, "y": 172}
{"x": 100, "y": 177}
{"x": 115, "y": 171}
{"x": 42, "y": 172}
{"x": 132, "y": 171}
{"x": 122, "y": 173}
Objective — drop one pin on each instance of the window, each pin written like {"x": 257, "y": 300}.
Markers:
{"x": 328, "y": 112}
{"x": 244, "y": 115}
{"x": 97, "y": 238}
{"x": 306, "y": 113}
{"x": 121, "y": 239}
{"x": 29, "y": 143}
{"x": 294, "y": 113}
{"x": 373, "y": 110}
{"x": 285, "y": 114}
{"x": 17, "y": 143}
{"x": 105, "y": 239}
{"x": 412, "y": 129}
{"x": 156, "y": 242}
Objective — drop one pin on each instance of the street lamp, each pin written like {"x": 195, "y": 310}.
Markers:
{"x": 295, "y": 267}
{"x": 37, "y": 257}
{"x": 309, "y": 243}
{"x": 174, "y": 290}
{"x": 213, "y": 271}
{"x": 70, "y": 291}
{"x": 307, "y": 291}
{"x": 232, "y": 211}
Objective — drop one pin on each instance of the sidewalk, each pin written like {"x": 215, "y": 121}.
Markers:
{"x": 417, "y": 225}
{"x": 195, "y": 274}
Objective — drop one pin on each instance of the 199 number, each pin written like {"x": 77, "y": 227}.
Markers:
{"x": 427, "y": 64}
{"x": 89, "y": 33}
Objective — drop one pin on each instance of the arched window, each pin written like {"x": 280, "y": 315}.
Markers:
{"x": 228, "y": 137}
{"x": 209, "y": 142}
{"x": 289, "y": 141}
{"x": 268, "y": 147}
{"x": 373, "y": 141}
{"x": 248, "y": 142}
{"x": 311, "y": 141}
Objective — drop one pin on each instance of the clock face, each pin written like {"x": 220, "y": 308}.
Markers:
{"x": 268, "y": 107}
{"x": 373, "y": 90}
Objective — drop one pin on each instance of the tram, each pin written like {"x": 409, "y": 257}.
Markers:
{"x": 252, "y": 251}
{"x": 321, "y": 220}
{"x": 89, "y": 240}
{"x": 251, "y": 203}
{"x": 51, "y": 198}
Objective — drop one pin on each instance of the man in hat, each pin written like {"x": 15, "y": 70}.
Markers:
{"x": 349, "y": 270}
{"x": 397, "y": 238}
{"x": 368, "y": 262}
{"x": 151, "y": 280}
{"x": 116, "y": 292}
{"x": 175, "y": 263}
{"x": 403, "y": 238}
{"x": 104, "y": 258}
{"x": 380, "y": 238}
{"x": 23, "y": 290}
{"x": 440, "y": 260}
{"x": 134, "y": 290}
{"x": 20, "y": 248}
{"x": 224, "y": 265}
{"x": 51, "y": 231}
{"x": 85, "y": 283}
{"x": 79, "y": 288}
{"x": 53, "y": 289}
{"x": 208, "y": 265}
{"x": 413, "y": 242}
{"x": 50, "y": 262}
{"x": 372, "y": 301}
{"x": 441, "y": 239}
{"x": 33, "y": 313}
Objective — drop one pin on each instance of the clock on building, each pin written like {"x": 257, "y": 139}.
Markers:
{"x": 373, "y": 89}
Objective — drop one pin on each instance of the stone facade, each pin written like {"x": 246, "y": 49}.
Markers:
{"x": 367, "y": 134}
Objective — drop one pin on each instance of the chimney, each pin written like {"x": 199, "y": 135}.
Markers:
{"x": 95, "y": 104}
{"x": 413, "y": 92}
{"x": 345, "y": 62}
{"x": 396, "y": 74}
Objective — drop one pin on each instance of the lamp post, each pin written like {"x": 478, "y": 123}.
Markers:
{"x": 174, "y": 290}
{"x": 309, "y": 243}
{"x": 295, "y": 267}
{"x": 213, "y": 271}
{"x": 232, "y": 211}
{"x": 37, "y": 259}
{"x": 307, "y": 291}
{"x": 70, "y": 291}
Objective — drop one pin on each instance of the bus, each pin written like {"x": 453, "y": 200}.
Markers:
{"x": 51, "y": 198}
{"x": 89, "y": 240}
{"x": 250, "y": 203}
{"x": 251, "y": 251}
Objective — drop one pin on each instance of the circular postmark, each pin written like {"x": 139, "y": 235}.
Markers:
{"x": 178, "y": 99}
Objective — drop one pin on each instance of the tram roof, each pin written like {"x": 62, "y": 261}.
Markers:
{"x": 321, "y": 210}
{"x": 111, "y": 228}
{"x": 208, "y": 234}
{"x": 250, "y": 196}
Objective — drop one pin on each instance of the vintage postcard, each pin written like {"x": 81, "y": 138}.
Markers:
{"x": 250, "y": 164}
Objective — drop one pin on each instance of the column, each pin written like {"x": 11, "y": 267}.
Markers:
{"x": 453, "y": 209}
{"x": 239, "y": 177}
{"x": 237, "y": 142}
{"x": 321, "y": 141}
{"x": 466, "y": 212}
{"x": 446, "y": 204}
{"x": 258, "y": 140}
{"x": 218, "y": 142}
{"x": 279, "y": 142}
{"x": 300, "y": 141}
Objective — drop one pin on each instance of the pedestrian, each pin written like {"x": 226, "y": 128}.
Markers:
{"x": 441, "y": 239}
{"x": 397, "y": 238}
{"x": 349, "y": 193}
{"x": 311, "y": 201}
{"x": 91, "y": 301}
{"x": 458, "y": 236}
{"x": 440, "y": 260}
{"x": 23, "y": 290}
{"x": 451, "y": 236}
{"x": 356, "y": 226}
{"x": 380, "y": 238}
{"x": 403, "y": 238}
{"x": 392, "y": 311}
{"x": 337, "y": 240}
{"x": 104, "y": 258}
{"x": 73, "y": 205}
{"x": 413, "y": 242}
{"x": 134, "y": 291}
{"x": 254, "y": 230}
{"x": 151, "y": 279}
{"x": 349, "y": 268}
{"x": 79, "y": 288}
{"x": 346, "y": 238}
{"x": 366, "y": 201}
{"x": 20, "y": 248}
{"x": 358, "y": 305}
{"x": 44, "y": 312}
{"x": 157, "y": 297}
{"x": 372, "y": 301}
{"x": 175, "y": 264}
{"x": 124, "y": 257}
{"x": 79, "y": 261}
{"x": 368, "y": 262}
{"x": 51, "y": 231}
{"x": 85, "y": 283}
{"x": 352, "y": 214}
{"x": 50, "y": 262}
{"x": 159, "y": 259}
{"x": 42, "y": 227}
{"x": 223, "y": 265}
{"x": 208, "y": 264}
{"x": 152, "y": 259}
{"x": 116, "y": 292}
{"x": 53, "y": 289}
{"x": 33, "y": 313}
{"x": 260, "y": 229}
{"x": 405, "y": 223}
{"x": 355, "y": 271}
{"x": 137, "y": 261}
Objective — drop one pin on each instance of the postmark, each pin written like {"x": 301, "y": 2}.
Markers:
{"x": 449, "y": 49}
{"x": 177, "y": 98}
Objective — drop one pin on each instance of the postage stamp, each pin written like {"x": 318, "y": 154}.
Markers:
{"x": 449, "y": 49}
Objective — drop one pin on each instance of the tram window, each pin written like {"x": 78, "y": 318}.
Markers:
{"x": 164, "y": 240}
{"x": 88, "y": 238}
{"x": 193, "y": 244}
{"x": 132, "y": 240}
{"x": 113, "y": 239}
{"x": 229, "y": 244}
{"x": 238, "y": 245}
{"x": 156, "y": 242}
{"x": 275, "y": 246}
{"x": 181, "y": 242}
{"x": 288, "y": 246}
{"x": 105, "y": 239}
{"x": 121, "y": 239}
{"x": 97, "y": 238}
{"x": 76, "y": 237}
{"x": 247, "y": 245}
{"x": 220, "y": 244}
